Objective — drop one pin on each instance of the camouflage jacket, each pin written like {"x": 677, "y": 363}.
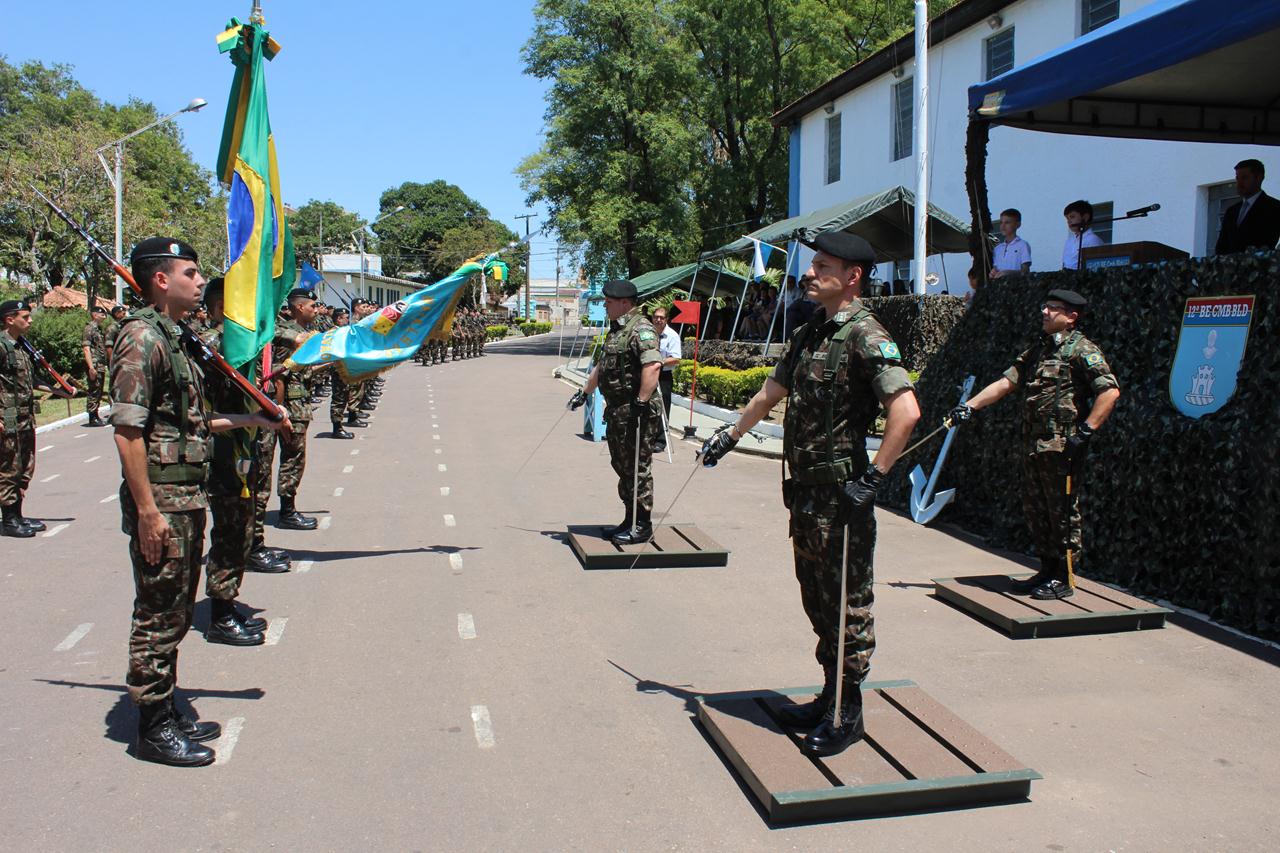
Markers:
{"x": 93, "y": 339}
{"x": 1058, "y": 375}
{"x": 110, "y": 335}
{"x": 233, "y": 450}
{"x": 147, "y": 392}
{"x": 297, "y": 390}
{"x": 17, "y": 377}
{"x": 630, "y": 345}
{"x": 829, "y": 413}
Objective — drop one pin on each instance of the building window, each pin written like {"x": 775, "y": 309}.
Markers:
{"x": 999, "y": 53}
{"x": 902, "y": 97}
{"x": 1097, "y": 13}
{"x": 901, "y": 283}
{"x": 833, "y": 148}
{"x": 1103, "y": 210}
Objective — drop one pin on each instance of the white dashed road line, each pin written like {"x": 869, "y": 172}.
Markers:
{"x": 51, "y": 478}
{"x": 92, "y": 459}
{"x": 337, "y": 493}
{"x": 455, "y": 562}
{"x": 74, "y": 637}
{"x": 435, "y": 426}
{"x": 450, "y": 521}
{"x": 227, "y": 743}
{"x": 442, "y": 468}
{"x": 305, "y": 566}
{"x": 46, "y": 447}
{"x": 466, "y": 626}
{"x": 355, "y": 452}
{"x": 438, "y": 450}
{"x": 347, "y": 469}
{"x": 109, "y": 498}
{"x": 81, "y": 435}
{"x": 274, "y": 630}
{"x": 444, "y": 491}
{"x": 325, "y": 522}
{"x": 483, "y": 725}
{"x": 55, "y": 530}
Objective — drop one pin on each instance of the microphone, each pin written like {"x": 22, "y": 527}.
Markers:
{"x": 1143, "y": 211}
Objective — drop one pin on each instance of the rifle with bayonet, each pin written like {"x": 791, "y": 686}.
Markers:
{"x": 68, "y": 390}
{"x": 198, "y": 348}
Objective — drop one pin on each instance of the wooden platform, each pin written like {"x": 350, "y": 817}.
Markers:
{"x": 916, "y": 756}
{"x": 1093, "y": 609}
{"x": 673, "y": 546}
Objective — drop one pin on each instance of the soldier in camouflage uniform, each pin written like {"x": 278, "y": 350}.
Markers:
{"x": 837, "y": 372}
{"x": 1057, "y": 375}
{"x": 163, "y": 425}
{"x": 113, "y": 329}
{"x": 95, "y": 362}
{"x": 337, "y": 388}
{"x": 627, "y": 376}
{"x": 290, "y": 333}
{"x": 17, "y": 421}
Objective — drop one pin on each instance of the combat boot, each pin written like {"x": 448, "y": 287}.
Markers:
{"x": 1056, "y": 587}
{"x": 225, "y": 626}
{"x": 95, "y": 421}
{"x": 1048, "y": 571}
{"x": 11, "y": 524}
{"x": 33, "y": 524}
{"x": 355, "y": 420}
{"x": 809, "y": 714}
{"x": 193, "y": 728}
{"x": 339, "y": 432}
{"x": 641, "y": 531}
{"x": 366, "y": 406}
{"x": 262, "y": 560}
{"x": 610, "y": 532}
{"x": 291, "y": 519}
{"x": 827, "y": 738}
{"x": 160, "y": 740}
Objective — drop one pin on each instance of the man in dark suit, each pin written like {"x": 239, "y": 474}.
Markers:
{"x": 1254, "y": 221}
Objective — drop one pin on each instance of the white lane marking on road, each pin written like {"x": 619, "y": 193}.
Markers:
{"x": 46, "y": 447}
{"x": 74, "y": 637}
{"x": 274, "y": 630}
{"x": 227, "y": 743}
{"x": 450, "y": 521}
{"x": 325, "y": 522}
{"x": 56, "y": 529}
{"x": 81, "y": 435}
{"x": 305, "y": 566}
{"x": 109, "y": 498}
{"x": 355, "y": 452}
{"x": 442, "y": 468}
{"x": 337, "y": 493}
{"x": 438, "y": 450}
{"x": 466, "y": 626}
{"x": 92, "y": 459}
{"x": 435, "y": 426}
{"x": 444, "y": 491}
{"x": 347, "y": 469}
{"x": 455, "y": 562}
{"x": 435, "y": 437}
{"x": 483, "y": 725}
{"x": 51, "y": 478}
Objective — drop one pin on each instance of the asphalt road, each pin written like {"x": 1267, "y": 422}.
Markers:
{"x": 443, "y": 675}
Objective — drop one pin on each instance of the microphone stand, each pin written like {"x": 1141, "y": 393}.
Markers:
{"x": 1140, "y": 213}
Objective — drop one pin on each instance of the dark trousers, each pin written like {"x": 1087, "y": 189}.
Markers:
{"x": 665, "y": 380}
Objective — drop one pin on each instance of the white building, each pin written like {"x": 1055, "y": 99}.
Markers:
{"x": 854, "y": 135}
{"x": 343, "y": 281}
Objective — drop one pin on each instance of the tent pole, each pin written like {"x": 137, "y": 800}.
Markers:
{"x": 738, "y": 314}
{"x": 922, "y": 142}
{"x": 782, "y": 302}
{"x": 690, "y": 296}
{"x": 714, "y": 285}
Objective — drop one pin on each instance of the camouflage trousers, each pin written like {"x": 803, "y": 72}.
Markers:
{"x": 164, "y": 597}
{"x": 817, "y": 541}
{"x": 229, "y": 541}
{"x": 260, "y": 483}
{"x": 621, "y": 436}
{"x": 17, "y": 463}
{"x": 93, "y": 396}
{"x": 1052, "y": 519}
{"x": 293, "y": 459}
{"x": 355, "y": 396}
{"x": 337, "y": 398}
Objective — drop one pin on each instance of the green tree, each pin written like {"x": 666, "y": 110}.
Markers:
{"x": 324, "y": 224}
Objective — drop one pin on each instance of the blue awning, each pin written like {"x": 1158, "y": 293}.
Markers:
{"x": 1192, "y": 70}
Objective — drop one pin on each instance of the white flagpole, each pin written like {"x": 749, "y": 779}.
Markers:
{"x": 922, "y": 141}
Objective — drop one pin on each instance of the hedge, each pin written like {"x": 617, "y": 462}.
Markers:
{"x": 719, "y": 386}
{"x": 1176, "y": 508}
{"x": 530, "y": 327}
{"x": 59, "y": 333}
{"x": 495, "y": 333}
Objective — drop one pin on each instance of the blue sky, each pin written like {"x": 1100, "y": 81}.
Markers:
{"x": 364, "y": 96}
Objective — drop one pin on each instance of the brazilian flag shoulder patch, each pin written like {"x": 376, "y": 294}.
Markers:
{"x": 889, "y": 349}
{"x": 1093, "y": 359}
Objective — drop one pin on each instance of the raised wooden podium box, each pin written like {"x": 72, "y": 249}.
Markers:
{"x": 1129, "y": 254}
{"x": 674, "y": 546}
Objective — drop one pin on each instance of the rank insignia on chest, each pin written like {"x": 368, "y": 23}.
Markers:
{"x": 889, "y": 349}
{"x": 1093, "y": 359}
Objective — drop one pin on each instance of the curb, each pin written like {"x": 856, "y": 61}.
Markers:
{"x": 81, "y": 418}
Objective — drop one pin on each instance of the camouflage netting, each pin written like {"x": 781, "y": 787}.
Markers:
{"x": 1182, "y": 509}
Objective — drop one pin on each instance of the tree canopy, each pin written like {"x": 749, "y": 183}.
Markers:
{"x": 323, "y": 226}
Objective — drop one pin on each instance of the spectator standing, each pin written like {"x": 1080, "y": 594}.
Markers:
{"x": 1013, "y": 254}
{"x": 669, "y": 347}
{"x": 1254, "y": 221}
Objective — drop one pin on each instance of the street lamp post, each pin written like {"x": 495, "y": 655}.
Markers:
{"x": 361, "y": 231}
{"x": 116, "y": 179}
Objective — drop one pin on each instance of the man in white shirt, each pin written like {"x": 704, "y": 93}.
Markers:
{"x": 1079, "y": 215}
{"x": 1013, "y": 254}
{"x": 669, "y": 346}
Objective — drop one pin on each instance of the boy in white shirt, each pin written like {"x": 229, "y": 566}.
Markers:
{"x": 1079, "y": 215}
{"x": 1013, "y": 254}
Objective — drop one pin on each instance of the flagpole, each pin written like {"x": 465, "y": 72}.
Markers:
{"x": 922, "y": 142}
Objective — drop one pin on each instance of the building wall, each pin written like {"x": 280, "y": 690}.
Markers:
{"x": 1038, "y": 173}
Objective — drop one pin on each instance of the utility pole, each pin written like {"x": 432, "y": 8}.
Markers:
{"x": 528, "y": 259}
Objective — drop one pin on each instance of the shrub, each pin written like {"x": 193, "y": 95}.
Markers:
{"x": 495, "y": 333}
{"x": 58, "y": 334}
{"x": 529, "y": 327}
{"x": 721, "y": 386}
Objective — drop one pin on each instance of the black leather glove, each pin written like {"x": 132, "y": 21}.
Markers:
{"x": 578, "y": 400}
{"x": 640, "y": 409}
{"x": 857, "y": 497}
{"x": 1078, "y": 444}
{"x": 959, "y": 415}
{"x": 717, "y": 446}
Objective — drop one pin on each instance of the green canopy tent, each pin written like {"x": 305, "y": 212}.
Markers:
{"x": 702, "y": 277}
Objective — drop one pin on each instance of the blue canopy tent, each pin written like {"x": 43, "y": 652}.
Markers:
{"x": 1188, "y": 70}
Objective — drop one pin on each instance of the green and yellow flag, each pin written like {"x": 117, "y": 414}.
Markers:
{"x": 260, "y": 243}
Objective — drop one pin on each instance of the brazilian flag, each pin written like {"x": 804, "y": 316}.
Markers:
{"x": 260, "y": 244}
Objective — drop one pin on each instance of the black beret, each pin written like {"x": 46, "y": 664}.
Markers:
{"x": 13, "y": 306}
{"x": 843, "y": 245}
{"x": 214, "y": 288}
{"x": 97, "y": 309}
{"x": 119, "y": 308}
{"x": 1069, "y": 298}
{"x": 340, "y": 312}
{"x": 619, "y": 288}
{"x": 301, "y": 293}
{"x": 162, "y": 247}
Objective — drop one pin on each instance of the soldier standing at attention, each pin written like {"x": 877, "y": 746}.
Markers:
{"x": 838, "y": 370}
{"x": 95, "y": 362}
{"x": 338, "y": 388}
{"x": 113, "y": 329}
{"x": 17, "y": 421}
{"x": 299, "y": 311}
{"x": 1057, "y": 376}
{"x": 162, "y": 428}
{"x": 627, "y": 376}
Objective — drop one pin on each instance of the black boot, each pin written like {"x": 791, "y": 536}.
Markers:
{"x": 1056, "y": 587}
{"x": 262, "y": 560}
{"x": 160, "y": 740}
{"x": 31, "y": 523}
{"x": 225, "y": 626}
{"x": 610, "y": 532}
{"x": 252, "y": 624}
{"x": 339, "y": 432}
{"x": 641, "y": 531}
{"x": 95, "y": 421}
{"x": 366, "y": 406}
{"x": 1048, "y": 571}
{"x": 809, "y": 714}
{"x": 827, "y": 738}
{"x": 12, "y": 525}
{"x": 355, "y": 420}
{"x": 291, "y": 519}
{"x": 194, "y": 729}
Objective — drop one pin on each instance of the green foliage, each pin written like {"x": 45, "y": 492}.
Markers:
{"x": 59, "y": 335}
{"x": 530, "y": 327}
{"x": 720, "y": 386}
{"x": 1173, "y": 507}
{"x": 495, "y": 333}
{"x": 323, "y": 226}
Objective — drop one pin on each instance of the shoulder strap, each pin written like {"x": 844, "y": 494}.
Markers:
{"x": 838, "y": 341}
{"x": 178, "y": 366}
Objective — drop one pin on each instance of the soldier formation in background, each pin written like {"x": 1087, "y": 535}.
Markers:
{"x": 465, "y": 339}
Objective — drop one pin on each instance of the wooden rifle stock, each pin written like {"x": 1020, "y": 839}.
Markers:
{"x": 38, "y": 358}
{"x": 196, "y": 347}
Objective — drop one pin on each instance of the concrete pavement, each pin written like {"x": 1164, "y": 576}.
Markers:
{"x": 445, "y": 676}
